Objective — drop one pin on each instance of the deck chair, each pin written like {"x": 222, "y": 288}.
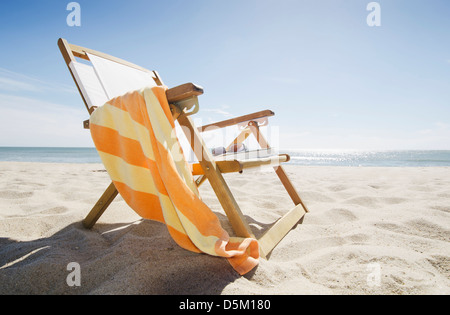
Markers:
{"x": 100, "y": 77}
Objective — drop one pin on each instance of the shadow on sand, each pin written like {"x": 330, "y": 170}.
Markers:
{"x": 133, "y": 258}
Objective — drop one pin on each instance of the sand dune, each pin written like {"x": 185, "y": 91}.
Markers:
{"x": 370, "y": 231}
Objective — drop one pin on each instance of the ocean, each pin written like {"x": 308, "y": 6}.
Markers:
{"x": 391, "y": 158}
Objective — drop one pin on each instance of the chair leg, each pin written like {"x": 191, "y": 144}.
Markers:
{"x": 289, "y": 187}
{"x": 100, "y": 207}
{"x": 253, "y": 125}
{"x": 213, "y": 174}
{"x": 200, "y": 180}
{"x": 280, "y": 229}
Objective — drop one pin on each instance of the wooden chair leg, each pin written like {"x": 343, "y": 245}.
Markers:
{"x": 100, "y": 207}
{"x": 200, "y": 180}
{"x": 280, "y": 229}
{"x": 212, "y": 172}
{"x": 253, "y": 125}
{"x": 289, "y": 187}
{"x": 240, "y": 138}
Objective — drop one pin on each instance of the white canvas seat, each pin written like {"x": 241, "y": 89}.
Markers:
{"x": 118, "y": 79}
{"x": 89, "y": 83}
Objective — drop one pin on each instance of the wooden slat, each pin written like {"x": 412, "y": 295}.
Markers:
{"x": 80, "y": 52}
{"x": 224, "y": 167}
{"x": 212, "y": 172}
{"x": 64, "y": 47}
{"x": 236, "y": 166}
{"x": 183, "y": 92}
{"x": 278, "y": 231}
{"x": 279, "y": 170}
{"x": 173, "y": 95}
{"x": 237, "y": 120}
{"x": 68, "y": 56}
{"x": 289, "y": 187}
{"x": 271, "y": 160}
{"x": 240, "y": 138}
{"x": 157, "y": 78}
{"x": 102, "y": 204}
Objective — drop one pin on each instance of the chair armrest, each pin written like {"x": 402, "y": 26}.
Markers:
{"x": 237, "y": 120}
{"x": 183, "y": 92}
{"x": 176, "y": 94}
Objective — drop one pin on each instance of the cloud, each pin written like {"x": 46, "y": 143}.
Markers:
{"x": 32, "y": 122}
{"x": 11, "y": 81}
{"x": 218, "y": 111}
{"x": 436, "y": 137}
{"x": 285, "y": 80}
{"x": 9, "y": 84}
{"x": 34, "y": 112}
{"x": 442, "y": 126}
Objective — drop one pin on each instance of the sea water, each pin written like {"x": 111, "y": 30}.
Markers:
{"x": 391, "y": 158}
{"x": 49, "y": 155}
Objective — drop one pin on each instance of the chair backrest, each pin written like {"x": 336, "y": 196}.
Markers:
{"x": 106, "y": 76}
{"x": 101, "y": 77}
{"x": 90, "y": 86}
{"x": 118, "y": 79}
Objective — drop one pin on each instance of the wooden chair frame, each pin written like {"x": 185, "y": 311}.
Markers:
{"x": 209, "y": 168}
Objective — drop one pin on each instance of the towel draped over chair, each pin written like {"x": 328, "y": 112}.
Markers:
{"x": 135, "y": 137}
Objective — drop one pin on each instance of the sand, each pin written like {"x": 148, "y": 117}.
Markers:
{"x": 370, "y": 231}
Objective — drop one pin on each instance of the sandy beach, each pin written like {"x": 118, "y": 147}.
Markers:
{"x": 370, "y": 231}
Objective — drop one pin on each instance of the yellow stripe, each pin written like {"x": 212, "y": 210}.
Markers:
{"x": 205, "y": 243}
{"x": 135, "y": 177}
{"x": 140, "y": 179}
{"x": 120, "y": 120}
{"x": 161, "y": 128}
{"x": 170, "y": 214}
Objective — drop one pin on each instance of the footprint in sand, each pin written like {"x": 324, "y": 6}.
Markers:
{"x": 55, "y": 210}
{"x": 442, "y": 208}
{"x": 441, "y": 264}
{"x": 11, "y": 194}
{"x": 364, "y": 201}
{"x": 340, "y": 215}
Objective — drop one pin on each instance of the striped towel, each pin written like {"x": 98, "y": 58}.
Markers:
{"x": 135, "y": 137}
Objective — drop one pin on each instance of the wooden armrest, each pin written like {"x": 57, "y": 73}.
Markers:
{"x": 176, "y": 94}
{"x": 237, "y": 120}
{"x": 183, "y": 91}
{"x": 231, "y": 166}
{"x": 237, "y": 166}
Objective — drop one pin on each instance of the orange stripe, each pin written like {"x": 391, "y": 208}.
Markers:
{"x": 138, "y": 110}
{"x": 146, "y": 205}
{"x": 110, "y": 141}
{"x": 185, "y": 200}
{"x": 246, "y": 261}
{"x": 182, "y": 240}
{"x": 132, "y": 103}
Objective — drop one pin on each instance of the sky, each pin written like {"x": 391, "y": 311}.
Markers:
{"x": 333, "y": 81}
